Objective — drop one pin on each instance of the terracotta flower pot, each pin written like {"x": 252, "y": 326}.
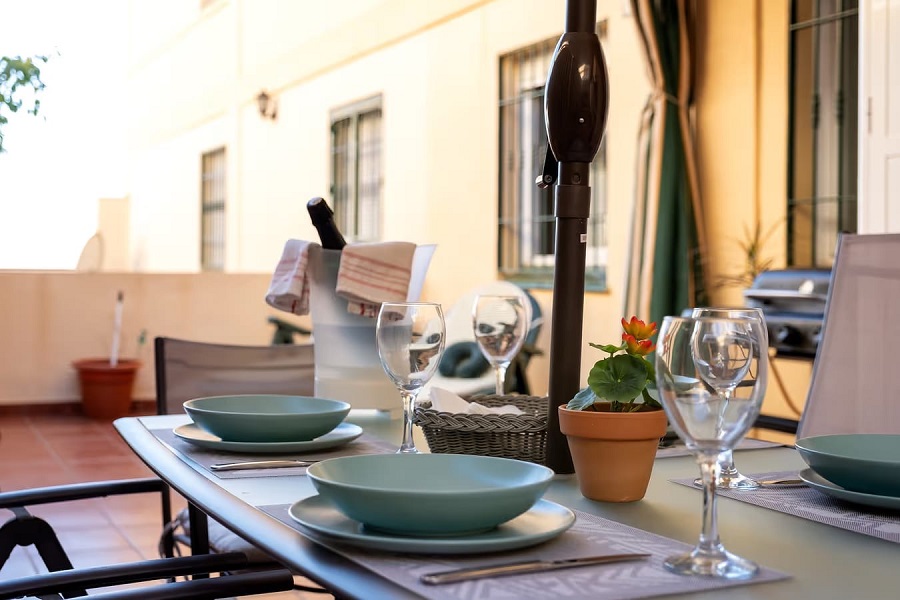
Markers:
{"x": 613, "y": 452}
{"x": 106, "y": 390}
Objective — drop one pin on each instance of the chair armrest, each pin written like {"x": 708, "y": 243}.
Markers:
{"x": 80, "y": 491}
{"x": 230, "y": 586}
{"x": 776, "y": 423}
{"x": 59, "y": 582}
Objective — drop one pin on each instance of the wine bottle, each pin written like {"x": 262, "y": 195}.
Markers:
{"x": 323, "y": 219}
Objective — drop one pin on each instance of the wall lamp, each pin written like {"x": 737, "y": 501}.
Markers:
{"x": 268, "y": 106}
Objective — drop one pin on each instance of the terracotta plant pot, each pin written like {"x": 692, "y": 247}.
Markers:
{"x": 613, "y": 452}
{"x": 106, "y": 390}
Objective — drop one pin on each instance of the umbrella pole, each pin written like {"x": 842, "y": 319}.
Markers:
{"x": 575, "y": 107}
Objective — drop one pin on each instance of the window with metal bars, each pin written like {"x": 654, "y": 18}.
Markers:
{"x": 526, "y": 223}
{"x": 212, "y": 211}
{"x": 822, "y": 175}
{"x": 356, "y": 177}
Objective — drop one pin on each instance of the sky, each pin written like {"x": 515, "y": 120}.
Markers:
{"x": 58, "y": 164}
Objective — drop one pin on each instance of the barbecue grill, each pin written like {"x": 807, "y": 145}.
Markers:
{"x": 793, "y": 303}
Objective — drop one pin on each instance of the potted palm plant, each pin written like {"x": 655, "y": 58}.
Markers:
{"x": 613, "y": 426}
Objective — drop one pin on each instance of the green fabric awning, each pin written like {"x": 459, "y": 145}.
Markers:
{"x": 666, "y": 258}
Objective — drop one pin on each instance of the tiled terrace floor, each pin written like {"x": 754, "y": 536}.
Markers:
{"x": 39, "y": 449}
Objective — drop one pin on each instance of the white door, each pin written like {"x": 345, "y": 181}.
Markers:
{"x": 879, "y": 131}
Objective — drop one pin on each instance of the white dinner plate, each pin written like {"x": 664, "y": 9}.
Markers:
{"x": 817, "y": 482}
{"x": 340, "y": 435}
{"x": 543, "y": 521}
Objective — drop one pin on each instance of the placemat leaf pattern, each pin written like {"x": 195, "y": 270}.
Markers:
{"x": 590, "y": 535}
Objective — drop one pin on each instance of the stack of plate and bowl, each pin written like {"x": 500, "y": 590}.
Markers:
{"x": 863, "y": 468}
{"x": 432, "y": 503}
{"x": 267, "y": 423}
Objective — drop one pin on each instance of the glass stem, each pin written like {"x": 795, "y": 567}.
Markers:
{"x": 727, "y": 468}
{"x": 709, "y": 534}
{"x": 408, "y": 446}
{"x": 500, "y": 371}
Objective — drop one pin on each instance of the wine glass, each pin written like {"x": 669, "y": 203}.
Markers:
{"x": 500, "y": 324}
{"x": 729, "y": 477}
{"x": 410, "y": 338}
{"x": 701, "y": 366}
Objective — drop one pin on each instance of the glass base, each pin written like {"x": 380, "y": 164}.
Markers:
{"x": 722, "y": 565}
{"x": 412, "y": 450}
{"x": 734, "y": 481}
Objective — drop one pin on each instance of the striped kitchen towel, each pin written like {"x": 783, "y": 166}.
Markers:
{"x": 289, "y": 288}
{"x": 372, "y": 273}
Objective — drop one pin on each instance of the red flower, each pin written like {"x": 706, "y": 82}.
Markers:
{"x": 638, "y": 347}
{"x": 638, "y": 329}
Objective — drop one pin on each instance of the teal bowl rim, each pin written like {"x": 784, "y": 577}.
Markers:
{"x": 801, "y": 447}
{"x": 340, "y": 406}
{"x": 545, "y": 480}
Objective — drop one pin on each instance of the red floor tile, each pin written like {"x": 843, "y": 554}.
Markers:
{"x": 49, "y": 449}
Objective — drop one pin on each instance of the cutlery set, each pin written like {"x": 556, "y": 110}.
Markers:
{"x": 773, "y": 483}
{"x": 261, "y": 464}
{"x": 528, "y": 566}
{"x": 784, "y": 482}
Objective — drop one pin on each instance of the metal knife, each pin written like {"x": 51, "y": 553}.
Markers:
{"x": 528, "y": 566}
{"x": 260, "y": 464}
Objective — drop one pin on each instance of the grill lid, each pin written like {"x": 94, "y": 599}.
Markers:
{"x": 793, "y": 303}
{"x": 802, "y": 291}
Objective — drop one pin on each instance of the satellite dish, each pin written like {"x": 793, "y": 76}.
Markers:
{"x": 91, "y": 258}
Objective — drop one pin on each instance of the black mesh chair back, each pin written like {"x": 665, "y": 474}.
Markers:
{"x": 187, "y": 369}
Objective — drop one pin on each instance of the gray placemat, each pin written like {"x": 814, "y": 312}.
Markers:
{"x": 590, "y": 535}
{"x": 679, "y": 449}
{"x": 808, "y": 503}
{"x": 364, "y": 444}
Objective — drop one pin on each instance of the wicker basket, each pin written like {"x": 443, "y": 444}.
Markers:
{"x": 522, "y": 437}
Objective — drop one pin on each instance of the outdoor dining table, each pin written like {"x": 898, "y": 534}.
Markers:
{"x": 814, "y": 559}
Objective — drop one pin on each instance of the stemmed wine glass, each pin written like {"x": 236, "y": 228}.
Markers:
{"x": 410, "y": 340}
{"x": 500, "y": 324}
{"x": 701, "y": 364}
{"x": 729, "y": 477}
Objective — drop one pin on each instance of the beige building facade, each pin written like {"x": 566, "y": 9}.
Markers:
{"x": 198, "y": 67}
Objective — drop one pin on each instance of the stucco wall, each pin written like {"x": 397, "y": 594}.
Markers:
{"x": 49, "y": 319}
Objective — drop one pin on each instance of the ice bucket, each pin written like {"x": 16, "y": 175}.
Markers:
{"x": 347, "y": 365}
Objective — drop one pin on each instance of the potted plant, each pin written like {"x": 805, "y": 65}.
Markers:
{"x": 613, "y": 426}
{"x": 107, "y": 384}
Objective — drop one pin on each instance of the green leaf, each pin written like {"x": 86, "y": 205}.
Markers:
{"x": 15, "y": 73}
{"x": 583, "y": 400}
{"x": 610, "y": 348}
{"x": 650, "y": 400}
{"x": 619, "y": 378}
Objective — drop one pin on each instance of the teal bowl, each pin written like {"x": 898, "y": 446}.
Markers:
{"x": 861, "y": 462}
{"x": 267, "y": 417}
{"x": 430, "y": 494}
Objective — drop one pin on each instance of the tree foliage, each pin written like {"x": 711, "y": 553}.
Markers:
{"x": 17, "y": 75}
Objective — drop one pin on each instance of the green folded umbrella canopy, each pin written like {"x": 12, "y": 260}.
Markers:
{"x": 666, "y": 260}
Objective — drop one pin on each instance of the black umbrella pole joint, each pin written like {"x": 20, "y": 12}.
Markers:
{"x": 576, "y": 101}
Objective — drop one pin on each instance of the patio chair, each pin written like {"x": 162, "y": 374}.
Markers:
{"x": 26, "y": 529}
{"x": 855, "y": 378}
{"x": 463, "y": 369}
{"x": 188, "y": 369}
{"x": 75, "y": 582}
